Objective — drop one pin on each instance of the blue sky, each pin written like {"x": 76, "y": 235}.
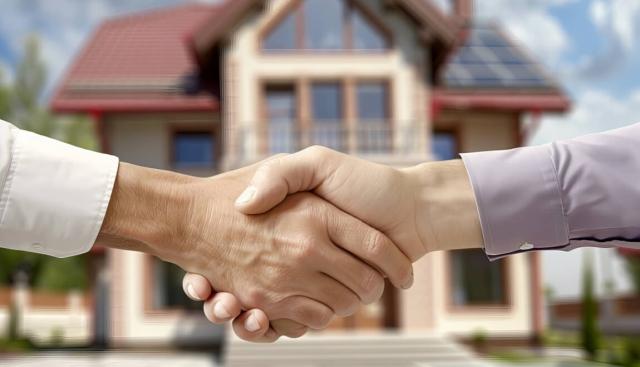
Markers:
{"x": 591, "y": 46}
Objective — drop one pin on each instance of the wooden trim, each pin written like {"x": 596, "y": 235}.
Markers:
{"x": 204, "y": 128}
{"x": 452, "y": 308}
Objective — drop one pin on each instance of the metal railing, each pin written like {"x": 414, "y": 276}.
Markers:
{"x": 364, "y": 138}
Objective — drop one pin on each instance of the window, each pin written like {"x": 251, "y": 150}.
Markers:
{"x": 444, "y": 145}
{"x": 326, "y": 25}
{"x": 281, "y": 117}
{"x": 167, "y": 283}
{"x": 194, "y": 149}
{"x": 476, "y": 281}
{"x": 327, "y": 114}
{"x": 365, "y": 35}
{"x": 283, "y": 37}
{"x": 374, "y": 130}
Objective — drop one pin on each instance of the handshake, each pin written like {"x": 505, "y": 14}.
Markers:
{"x": 289, "y": 243}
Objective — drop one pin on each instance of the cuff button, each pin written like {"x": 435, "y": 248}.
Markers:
{"x": 37, "y": 246}
{"x": 526, "y": 246}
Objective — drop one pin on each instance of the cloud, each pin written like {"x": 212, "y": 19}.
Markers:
{"x": 594, "y": 111}
{"x": 530, "y": 23}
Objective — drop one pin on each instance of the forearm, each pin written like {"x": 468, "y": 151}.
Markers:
{"x": 446, "y": 212}
{"x": 146, "y": 210}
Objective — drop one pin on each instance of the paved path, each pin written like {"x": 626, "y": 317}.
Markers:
{"x": 108, "y": 359}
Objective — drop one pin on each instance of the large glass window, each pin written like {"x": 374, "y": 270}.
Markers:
{"x": 476, "y": 281}
{"x": 283, "y": 37}
{"x": 374, "y": 128}
{"x": 167, "y": 283}
{"x": 281, "y": 116}
{"x": 194, "y": 149}
{"x": 327, "y": 114}
{"x": 326, "y": 25}
{"x": 365, "y": 35}
{"x": 444, "y": 145}
{"x": 324, "y": 21}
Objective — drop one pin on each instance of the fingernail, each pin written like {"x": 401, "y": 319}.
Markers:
{"x": 247, "y": 195}
{"x": 192, "y": 293}
{"x": 251, "y": 324}
{"x": 220, "y": 311}
{"x": 409, "y": 283}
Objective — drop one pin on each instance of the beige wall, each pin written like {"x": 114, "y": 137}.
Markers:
{"x": 246, "y": 67}
{"x": 145, "y": 139}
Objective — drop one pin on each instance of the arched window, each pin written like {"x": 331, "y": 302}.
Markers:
{"x": 326, "y": 25}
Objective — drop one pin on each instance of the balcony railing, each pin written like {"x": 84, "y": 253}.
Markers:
{"x": 384, "y": 138}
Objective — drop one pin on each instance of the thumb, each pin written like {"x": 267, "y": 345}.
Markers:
{"x": 277, "y": 178}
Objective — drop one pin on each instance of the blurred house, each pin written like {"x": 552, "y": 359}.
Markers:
{"x": 206, "y": 88}
{"x": 618, "y": 313}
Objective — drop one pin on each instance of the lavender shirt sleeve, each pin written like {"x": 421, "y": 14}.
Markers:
{"x": 569, "y": 194}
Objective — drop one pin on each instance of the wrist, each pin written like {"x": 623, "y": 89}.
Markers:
{"x": 146, "y": 211}
{"x": 446, "y": 211}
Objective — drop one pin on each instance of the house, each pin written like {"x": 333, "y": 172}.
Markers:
{"x": 206, "y": 88}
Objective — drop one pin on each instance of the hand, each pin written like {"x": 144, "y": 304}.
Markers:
{"x": 425, "y": 208}
{"x": 294, "y": 263}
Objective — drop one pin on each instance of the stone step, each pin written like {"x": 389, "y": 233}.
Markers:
{"x": 353, "y": 351}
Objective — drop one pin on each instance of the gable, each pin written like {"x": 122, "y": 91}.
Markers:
{"x": 325, "y": 25}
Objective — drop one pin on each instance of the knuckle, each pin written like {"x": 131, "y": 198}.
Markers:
{"x": 256, "y": 298}
{"x": 375, "y": 245}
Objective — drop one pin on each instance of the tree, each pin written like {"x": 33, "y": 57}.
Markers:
{"x": 633, "y": 268}
{"x": 589, "y": 328}
{"x": 5, "y": 98}
{"x": 21, "y": 103}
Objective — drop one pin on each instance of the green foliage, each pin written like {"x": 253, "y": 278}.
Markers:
{"x": 29, "y": 83}
{"x": 12, "y": 327}
{"x": 56, "y": 338}
{"x": 633, "y": 268}
{"x": 5, "y": 98}
{"x": 62, "y": 274}
{"x": 590, "y": 335}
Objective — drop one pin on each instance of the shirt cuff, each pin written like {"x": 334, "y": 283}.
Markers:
{"x": 519, "y": 200}
{"x": 55, "y": 196}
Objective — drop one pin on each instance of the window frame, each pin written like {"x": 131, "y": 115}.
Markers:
{"x": 297, "y": 7}
{"x": 149, "y": 308}
{"x": 506, "y": 304}
{"x": 304, "y": 120}
{"x": 177, "y": 129}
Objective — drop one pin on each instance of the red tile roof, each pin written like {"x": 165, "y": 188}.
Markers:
{"x": 137, "y": 62}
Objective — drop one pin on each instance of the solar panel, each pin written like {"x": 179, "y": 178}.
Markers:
{"x": 489, "y": 60}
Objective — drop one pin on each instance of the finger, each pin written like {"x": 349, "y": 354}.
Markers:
{"x": 363, "y": 280}
{"x": 275, "y": 179}
{"x": 371, "y": 246}
{"x": 222, "y": 307}
{"x": 330, "y": 292}
{"x": 253, "y": 326}
{"x": 304, "y": 311}
{"x": 196, "y": 287}
{"x": 289, "y": 328}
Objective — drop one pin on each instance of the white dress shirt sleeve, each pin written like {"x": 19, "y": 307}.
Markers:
{"x": 53, "y": 196}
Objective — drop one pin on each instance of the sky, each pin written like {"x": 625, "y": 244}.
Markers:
{"x": 592, "y": 47}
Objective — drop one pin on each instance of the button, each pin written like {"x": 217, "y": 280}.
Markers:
{"x": 37, "y": 246}
{"x": 526, "y": 246}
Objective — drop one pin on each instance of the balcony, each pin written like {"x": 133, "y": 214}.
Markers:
{"x": 385, "y": 142}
